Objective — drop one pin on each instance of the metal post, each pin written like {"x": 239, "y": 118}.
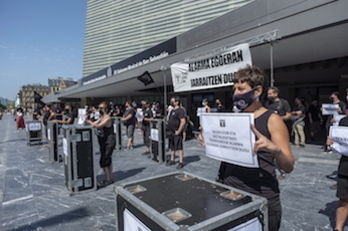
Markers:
{"x": 271, "y": 61}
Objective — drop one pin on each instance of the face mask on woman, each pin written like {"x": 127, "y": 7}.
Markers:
{"x": 242, "y": 101}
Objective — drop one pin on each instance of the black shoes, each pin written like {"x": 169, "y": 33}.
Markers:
{"x": 180, "y": 165}
{"x": 171, "y": 162}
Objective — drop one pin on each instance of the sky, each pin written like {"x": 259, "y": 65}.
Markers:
{"x": 40, "y": 39}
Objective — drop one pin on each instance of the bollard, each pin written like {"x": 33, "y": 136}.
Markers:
{"x": 157, "y": 140}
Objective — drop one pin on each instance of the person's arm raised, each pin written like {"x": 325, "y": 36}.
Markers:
{"x": 279, "y": 145}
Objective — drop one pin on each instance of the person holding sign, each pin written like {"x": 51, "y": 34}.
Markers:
{"x": 342, "y": 184}
{"x": 271, "y": 145}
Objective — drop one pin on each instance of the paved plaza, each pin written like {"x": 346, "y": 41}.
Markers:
{"x": 34, "y": 197}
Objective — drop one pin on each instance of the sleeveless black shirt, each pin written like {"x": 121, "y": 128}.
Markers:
{"x": 261, "y": 181}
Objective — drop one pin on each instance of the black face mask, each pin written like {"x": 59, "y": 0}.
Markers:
{"x": 271, "y": 98}
{"x": 171, "y": 103}
{"x": 101, "y": 112}
{"x": 242, "y": 101}
{"x": 66, "y": 111}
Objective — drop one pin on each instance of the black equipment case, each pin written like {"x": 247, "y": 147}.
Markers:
{"x": 183, "y": 201}
{"x": 79, "y": 155}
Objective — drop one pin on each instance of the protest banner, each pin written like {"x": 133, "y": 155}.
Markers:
{"x": 210, "y": 70}
{"x": 229, "y": 138}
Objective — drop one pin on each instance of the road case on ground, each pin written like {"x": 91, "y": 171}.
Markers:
{"x": 157, "y": 140}
{"x": 78, "y": 156}
{"x": 118, "y": 132}
{"x": 52, "y": 136}
{"x": 183, "y": 201}
{"x": 34, "y": 132}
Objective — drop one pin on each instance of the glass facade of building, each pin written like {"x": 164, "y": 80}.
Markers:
{"x": 116, "y": 30}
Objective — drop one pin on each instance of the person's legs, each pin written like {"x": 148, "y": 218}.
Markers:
{"x": 341, "y": 214}
{"x": 296, "y": 136}
{"x": 302, "y": 135}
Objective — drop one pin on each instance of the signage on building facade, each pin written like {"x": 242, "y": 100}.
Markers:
{"x": 210, "y": 71}
{"x": 152, "y": 54}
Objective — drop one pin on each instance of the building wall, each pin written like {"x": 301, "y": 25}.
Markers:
{"x": 27, "y": 94}
{"x": 116, "y": 30}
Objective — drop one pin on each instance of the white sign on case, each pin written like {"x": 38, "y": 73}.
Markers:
{"x": 252, "y": 224}
{"x": 132, "y": 223}
{"x": 210, "y": 70}
{"x": 82, "y": 113}
{"x": 339, "y": 136}
{"x": 229, "y": 138}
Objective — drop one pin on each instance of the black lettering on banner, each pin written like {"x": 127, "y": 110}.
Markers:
{"x": 217, "y": 61}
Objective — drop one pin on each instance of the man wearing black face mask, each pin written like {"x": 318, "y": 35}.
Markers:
{"x": 219, "y": 106}
{"x": 69, "y": 115}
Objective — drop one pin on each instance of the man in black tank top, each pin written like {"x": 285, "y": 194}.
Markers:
{"x": 271, "y": 145}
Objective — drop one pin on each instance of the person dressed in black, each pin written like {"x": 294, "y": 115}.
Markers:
{"x": 36, "y": 114}
{"x": 219, "y": 106}
{"x": 176, "y": 126}
{"x": 271, "y": 145}
{"x": 147, "y": 117}
{"x": 342, "y": 185}
{"x": 107, "y": 141}
{"x": 334, "y": 97}
{"x": 69, "y": 115}
{"x": 45, "y": 117}
{"x": 314, "y": 117}
{"x": 129, "y": 120}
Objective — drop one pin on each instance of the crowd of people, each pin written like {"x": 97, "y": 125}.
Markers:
{"x": 277, "y": 126}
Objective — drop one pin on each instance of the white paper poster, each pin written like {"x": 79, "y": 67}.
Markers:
{"x": 339, "y": 136}
{"x": 65, "y": 146}
{"x": 154, "y": 134}
{"x": 229, "y": 138}
{"x": 251, "y": 225}
{"x": 132, "y": 223}
{"x": 329, "y": 109}
{"x": 210, "y": 70}
{"x": 81, "y": 116}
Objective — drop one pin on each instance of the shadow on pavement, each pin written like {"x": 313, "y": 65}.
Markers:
{"x": 330, "y": 212}
{"x": 52, "y": 221}
{"x": 121, "y": 175}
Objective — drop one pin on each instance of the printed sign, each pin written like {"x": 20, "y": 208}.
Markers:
{"x": 82, "y": 113}
{"x": 229, "y": 138}
{"x": 210, "y": 70}
{"x": 65, "y": 146}
{"x": 329, "y": 109}
{"x": 154, "y": 134}
{"x": 132, "y": 223}
{"x": 339, "y": 136}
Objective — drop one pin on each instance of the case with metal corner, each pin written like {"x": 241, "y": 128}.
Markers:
{"x": 157, "y": 140}
{"x": 34, "y": 132}
{"x": 183, "y": 201}
{"x": 78, "y": 156}
{"x": 52, "y": 136}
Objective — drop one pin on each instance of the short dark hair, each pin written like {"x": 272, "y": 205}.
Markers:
{"x": 176, "y": 99}
{"x": 252, "y": 75}
{"x": 336, "y": 93}
{"x": 274, "y": 89}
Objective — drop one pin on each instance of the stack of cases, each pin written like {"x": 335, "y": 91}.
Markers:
{"x": 79, "y": 155}
{"x": 183, "y": 201}
{"x": 34, "y": 133}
